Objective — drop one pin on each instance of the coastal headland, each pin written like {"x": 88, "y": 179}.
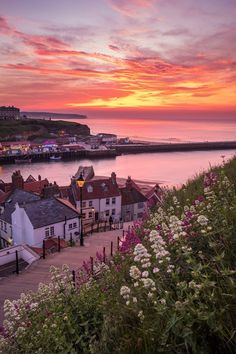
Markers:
{"x": 30, "y": 129}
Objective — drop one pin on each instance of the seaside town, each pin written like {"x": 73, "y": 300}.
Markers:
{"x": 26, "y": 139}
{"x": 117, "y": 177}
{"x": 62, "y": 140}
{"x": 38, "y": 214}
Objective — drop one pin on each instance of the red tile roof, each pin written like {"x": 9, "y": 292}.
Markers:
{"x": 36, "y": 187}
{"x": 97, "y": 189}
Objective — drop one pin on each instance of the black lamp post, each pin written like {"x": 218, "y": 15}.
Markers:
{"x": 80, "y": 183}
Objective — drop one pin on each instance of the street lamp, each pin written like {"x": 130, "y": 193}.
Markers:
{"x": 80, "y": 183}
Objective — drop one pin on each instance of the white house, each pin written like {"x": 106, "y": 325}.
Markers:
{"x": 44, "y": 219}
{"x": 134, "y": 203}
{"x": 101, "y": 199}
{"x": 107, "y": 138}
{"x": 7, "y": 207}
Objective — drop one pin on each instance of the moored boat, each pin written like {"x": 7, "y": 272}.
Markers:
{"x": 55, "y": 158}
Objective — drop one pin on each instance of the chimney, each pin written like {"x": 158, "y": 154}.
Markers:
{"x": 129, "y": 183}
{"x": 113, "y": 178}
{"x": 17, "y": 180}
{"x": 39, "y": 177}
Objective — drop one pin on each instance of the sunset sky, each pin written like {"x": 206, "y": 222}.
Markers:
{"x": 77, "y": 55}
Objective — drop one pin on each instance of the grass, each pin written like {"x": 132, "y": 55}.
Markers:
{"x": 170, "y": 289}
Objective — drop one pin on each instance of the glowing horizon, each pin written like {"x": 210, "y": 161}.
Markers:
{"x": 118, "y": 54}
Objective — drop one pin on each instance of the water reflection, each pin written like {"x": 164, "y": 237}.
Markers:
{"x": 167, "y": 168}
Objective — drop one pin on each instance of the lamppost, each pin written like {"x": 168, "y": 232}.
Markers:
{"x": 80, "y": 183}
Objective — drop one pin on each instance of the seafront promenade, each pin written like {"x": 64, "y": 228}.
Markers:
{"x": 28, "y": 280}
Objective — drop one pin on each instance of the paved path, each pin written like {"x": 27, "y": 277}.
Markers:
{"x": 11, "y": 287}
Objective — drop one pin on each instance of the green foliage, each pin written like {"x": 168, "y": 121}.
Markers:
{"x": 172, "y": 292}
{"x": 39, "y": 127}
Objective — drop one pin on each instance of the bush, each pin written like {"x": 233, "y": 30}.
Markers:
{"x": 171, "y": 289}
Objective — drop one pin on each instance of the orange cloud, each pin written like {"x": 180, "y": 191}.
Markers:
{"x": 50, "y": 72}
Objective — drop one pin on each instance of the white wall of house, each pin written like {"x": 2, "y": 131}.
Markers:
{"x": 89, "y": 208}
{"x": 111, "y": 209}
{"x": 72, "y": 228}
{"x": 133, "y": 211}
{"x": 5, "y": 229}
{"x": 103, "y": 209}
{"x": 139, "y": 210}
{"x": 23, "y": 231}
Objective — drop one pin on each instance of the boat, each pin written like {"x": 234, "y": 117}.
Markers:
{"x": 23, "y": 160}
{"x": 55, "y": 158}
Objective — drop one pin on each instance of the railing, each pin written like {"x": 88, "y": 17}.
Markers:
{"x": 106, "y": 255}
{"x": 101, "y": 226}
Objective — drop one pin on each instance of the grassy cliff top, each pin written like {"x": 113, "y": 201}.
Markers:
{"x": 39, "y": 127}
{"x": 170, "y": 288}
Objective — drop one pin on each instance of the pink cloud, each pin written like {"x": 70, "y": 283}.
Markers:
{"x": 36, "y": 41}
{"x": 114, "y": 47}
{"x": 131, "y": 7}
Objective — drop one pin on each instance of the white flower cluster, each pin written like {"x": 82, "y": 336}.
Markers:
{"x": 176, "y": 202}
{"x": 141, "y": 255}
{"x": 158, "y": 245}
{"x": 176, "y": 227}
{"x": 125, "y": 292}
{"x": 202, "y": 220}
{"x": 134, "y": 272}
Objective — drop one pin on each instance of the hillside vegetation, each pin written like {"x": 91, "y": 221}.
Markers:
{"x": 170, "y": 289}
{"x": 32, "y": 128}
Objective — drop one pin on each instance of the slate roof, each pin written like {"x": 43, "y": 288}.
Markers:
{"x": 3, "y": 196}
{"x": 86, "y": 171}
{"x": 45, "y": 212}
{"x": 131, "y": 196}
{"x": 17, "y": 196}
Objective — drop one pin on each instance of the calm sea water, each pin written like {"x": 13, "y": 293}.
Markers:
{"x": 166, "y": 130}
{"x": 168, "y": 168}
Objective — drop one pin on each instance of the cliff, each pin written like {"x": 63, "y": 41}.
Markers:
{"x": 32, "y": 128}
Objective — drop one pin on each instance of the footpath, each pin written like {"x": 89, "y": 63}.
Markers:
{"x": 28, "y": 280}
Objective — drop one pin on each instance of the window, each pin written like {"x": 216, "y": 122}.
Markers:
{"x": 90, "y": 203}
{"x": 114, "y": 200}
{"x": 113, "y": 212}
{"x": 74, "y": 224}
{"x": 83, "y": 204}
{"x": 107, "y": 201}
{"x": 90, "y": 214}
{"x": 47, "y": 234}
{"x": 52, "y": 230}
{"x": 140, "y": 205}
{"x": 70, "y": 226}
{"x": 84, "y": 215}
{"x": 89, "y": 188}
{"x": 140, "y": 215}
{"x": 107, "y": 212}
